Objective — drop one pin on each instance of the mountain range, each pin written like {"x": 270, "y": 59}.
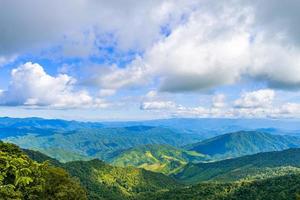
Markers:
{"x": 266, "y": 176}
{"x": 245, "y": 167}
{"x": 102, "y": 143}
{"x": 243, "y": 143}
{"x": 148, "y": 160}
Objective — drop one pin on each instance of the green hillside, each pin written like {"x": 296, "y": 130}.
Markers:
{"x": 285, "y": 187}
{"x": 243, "y": 143}
{"x": 103, "y": 181}
{"x": 265, "y": 176}
{"x": 100, "y": 143}
{"x": 21, "y": 178}
{"x": 262, "y": 165}
{"x": 158, "y": 158}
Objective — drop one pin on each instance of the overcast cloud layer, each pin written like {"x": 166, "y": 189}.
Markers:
{"x": 154, "y": 54}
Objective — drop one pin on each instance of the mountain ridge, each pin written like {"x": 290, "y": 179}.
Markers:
{"x": 243, "y": 143}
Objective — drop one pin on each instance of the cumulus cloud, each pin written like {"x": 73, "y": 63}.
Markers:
{"x": 256, "y": 99}
{"x": 158, "y": 105}
{"x": 277, "y": 18}
{"x": 31, "y": 86}
{"x": 254, "y": 104}
{"x": 31, "y": 23}
{"x": 219, "y": 44}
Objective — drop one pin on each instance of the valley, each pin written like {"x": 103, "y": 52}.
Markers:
{"x": 149, "y": 162}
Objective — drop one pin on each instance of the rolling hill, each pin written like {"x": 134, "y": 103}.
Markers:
{"x": 263, "y": 176}
{"x": 286, "y": 187}
{"x": 100, "y": 143}
{"x": 103, "y": 181}
{"x": 243, "y": 143}
{"x": 108, "y": 182}
{"x": 158, "y": 158}
{"x": 257, "y": 166}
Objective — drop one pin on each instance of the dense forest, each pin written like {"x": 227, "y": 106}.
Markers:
{"x": 23, "y": 178}
{"x": 27, "y": 174}
{"x": 60, "y": 160}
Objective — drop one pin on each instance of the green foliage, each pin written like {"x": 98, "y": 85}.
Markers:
{"x": 267, "y": 164}
{"x": 60, "y": 186}
{"x": 243, "y": 143}
{"x": 280, "y": 188}
{"x": 158, "y": 158}
{"x": 104, "y": 181}
{"x": 40, "y": 157}
{"x": 102, "y": 143}
{"x": 23, "y": 178}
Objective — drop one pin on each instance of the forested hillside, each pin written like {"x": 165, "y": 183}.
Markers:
{"x": 158, "y": 158}
{"x": 279, "y": 188}
{"x": 243, "y": 143}
{"x": 262, "y": 176}
{"x": 102, "y": 143}
{"x": 103, "y": 181}
{"x": 22, "y": 178}
{"x": 261, "y": 165}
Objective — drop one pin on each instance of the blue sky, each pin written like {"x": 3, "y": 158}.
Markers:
{"x": 129, "y": 60}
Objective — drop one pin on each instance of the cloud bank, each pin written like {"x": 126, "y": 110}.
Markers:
{"x": 171, "y": 47}
{"x": 31, "y": 86}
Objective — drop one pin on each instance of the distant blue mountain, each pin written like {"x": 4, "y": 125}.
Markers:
{"x": 209, "y": 127}
{"x": 243, "y": 143}
{"x": 206, "y": 127}
{"x": 40, "y": 123}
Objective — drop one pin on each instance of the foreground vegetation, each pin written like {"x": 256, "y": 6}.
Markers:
{"x": 257, "y": 166}
{"x": 23, "y": 178}
{"x": 147, "y": 163}
{"x": 103, "y": 181}
{"x": 280, "y": 188}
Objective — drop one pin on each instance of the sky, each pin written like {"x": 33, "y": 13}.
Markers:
{"x": 136, "y": 60}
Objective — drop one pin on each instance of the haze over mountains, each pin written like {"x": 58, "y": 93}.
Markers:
{"x": 175, "y": 100}
{"x": 163, "y": 159}
{"x": 243, "y": 143}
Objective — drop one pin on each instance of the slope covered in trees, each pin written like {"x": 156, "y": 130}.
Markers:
{"x": 103, "y": 181}
{"x": 285, "y": 187}
{"x": 108, "y": 182}
{"x": 261, "y": 165}
{"x": 243, "y": 143}
{"x": 23, "y": 178}
{"x": 102, "y": 143}
{"x": 158, "y": 158}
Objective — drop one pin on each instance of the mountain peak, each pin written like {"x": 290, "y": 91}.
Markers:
{"x": 243, "y": 143}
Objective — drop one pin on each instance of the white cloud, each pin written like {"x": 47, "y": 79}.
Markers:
{"x": 113, "y": 77}
{"x": 219, "y": 44}
{"x": 158, "y": 105}
{"x": 256, "y": 99}
{"x": 205, "y": 52}
{"x": 255, "y": 104}
{"x": 31, "y": 23}
{"x": 276, "y": 63}
{"x": 31, "y": 86}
